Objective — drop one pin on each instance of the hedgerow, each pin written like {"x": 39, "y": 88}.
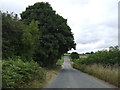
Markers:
{"x": 105, "y": 57}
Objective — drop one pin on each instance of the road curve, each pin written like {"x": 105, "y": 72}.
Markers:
{"x": 69, "y": 77}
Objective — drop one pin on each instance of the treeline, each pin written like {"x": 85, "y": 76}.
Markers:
{"x": 105, "y": 57}
{"x": 40, "y": 35}
{"x": 38, "y": 39}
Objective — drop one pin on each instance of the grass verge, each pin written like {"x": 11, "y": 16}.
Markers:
{"x": 107, "y": 74}
{"x": 60, "y": 61}
{"x": 49, "y": 74}
{"x": 52, "y": 72}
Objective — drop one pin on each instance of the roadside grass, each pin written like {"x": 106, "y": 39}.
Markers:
{"x": 83, "y": 55}
{"x": 66, "y": 54}
{"x": 107, "y": 74}
{"x": 60, "y": 61}
{"x": 50, "y": 73}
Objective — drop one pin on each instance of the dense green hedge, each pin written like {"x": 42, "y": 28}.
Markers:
{"x": 104, "y": 57}
{"x": 16, "y": 73}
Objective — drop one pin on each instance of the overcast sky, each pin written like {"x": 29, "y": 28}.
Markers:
{"x": 94, "y": 23}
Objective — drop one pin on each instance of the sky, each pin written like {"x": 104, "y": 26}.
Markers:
{"x": 94, "y": 23}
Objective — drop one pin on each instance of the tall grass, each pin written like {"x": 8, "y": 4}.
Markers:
{"x": 103, "y": 64}
{"x": 107, "y": 74}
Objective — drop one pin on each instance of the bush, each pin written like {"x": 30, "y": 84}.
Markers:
{"x": 104, "y": 57}
{"x": 16, "y": 73}
{"x": 74, "y": 55}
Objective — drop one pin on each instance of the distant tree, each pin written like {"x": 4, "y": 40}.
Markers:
{"x": 91, "y": 52}
{"x": 74, "y": 55}
{"x": 55, "y": 38}
{"x": 105, "y": 57}
{"x": 87, "y": 53}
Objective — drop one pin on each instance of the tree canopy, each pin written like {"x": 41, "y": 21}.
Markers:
{"x": 12, "y": 30}
{"x": 55, "y": 38}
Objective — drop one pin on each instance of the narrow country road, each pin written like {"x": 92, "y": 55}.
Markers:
{"x": 72, "y": 78}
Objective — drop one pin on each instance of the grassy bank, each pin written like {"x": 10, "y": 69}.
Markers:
{"x": 52, "y": 72}
{"x": 107, "y": 74}
{"x": 102, "y": 64}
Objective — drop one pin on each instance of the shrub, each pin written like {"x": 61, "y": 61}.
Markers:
{"x": 104, "y": 57}
{"x": 15, "y": 73}
{"x": 74, "y": 55}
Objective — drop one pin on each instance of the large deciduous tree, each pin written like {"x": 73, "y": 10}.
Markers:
{"x": 55, "y": 38}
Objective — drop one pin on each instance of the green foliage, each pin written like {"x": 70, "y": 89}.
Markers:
{"x": 55, "y": 38}
{"x": 30, "y": 40}
{"x": 103, "y": 57}
{"x": 102, "y": 64}
{"x": 16, "y": 73}
{"x": 60, "y": 61}
{"x": 108, "y": 74}
{"x": 11, "y": 35}
{"x": 74, "y": 55}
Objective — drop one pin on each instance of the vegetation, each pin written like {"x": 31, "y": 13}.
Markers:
{"x": 60, "y": 61}
{"x": 36, "y": 41}
{"x": 103, "y": 57}
{"x": 102, "y": 64}
{"x": 74, "y": 55}
{"x": 17, "y": 73}
{"x": 108, "y": 74}
{"x": 55, "y": 38}
{"x": 41, "y": 35}
{"x": 12, "y": 30}
{"x": 30, "y": 40}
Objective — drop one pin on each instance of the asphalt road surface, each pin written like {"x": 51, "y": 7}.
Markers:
{"x": 72, "y": 78}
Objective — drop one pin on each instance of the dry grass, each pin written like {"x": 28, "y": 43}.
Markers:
{"x": 49, "y": 75}
{"x": 83, "y": 56}
{"x": 107, "y": 74}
